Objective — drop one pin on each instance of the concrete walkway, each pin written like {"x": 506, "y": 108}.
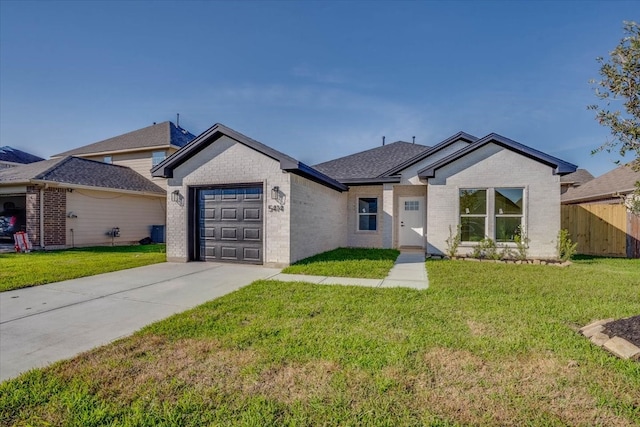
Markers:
{"x": 408, "y": 272}
{"x": 43, "y": 324}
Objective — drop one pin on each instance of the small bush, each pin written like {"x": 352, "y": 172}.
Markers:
{"x": 453, "y": 241}
{"x": 565, "y": 247}
{"x": 486, "y": 248}
{"x": 522, "y": 245}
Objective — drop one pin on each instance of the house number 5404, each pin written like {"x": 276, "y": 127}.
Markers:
{"x": 276, "y": 208}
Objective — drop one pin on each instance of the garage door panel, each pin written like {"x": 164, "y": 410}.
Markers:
{"x": 230, "y": 224}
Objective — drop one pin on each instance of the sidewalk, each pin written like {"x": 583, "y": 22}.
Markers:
{"x": 408, "y": 272}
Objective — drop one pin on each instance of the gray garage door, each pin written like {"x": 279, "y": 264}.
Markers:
{"x": 230, "y": 224}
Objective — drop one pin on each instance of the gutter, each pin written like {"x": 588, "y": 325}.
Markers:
{"x": 54, "y": 184}
{"x": 607, "y": 195}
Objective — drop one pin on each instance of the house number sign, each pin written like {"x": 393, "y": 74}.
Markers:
{"x": 276, "y": 208}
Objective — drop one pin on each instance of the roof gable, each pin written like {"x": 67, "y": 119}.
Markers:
{"x": 13, "y": 155}
{"x": 460, "y": 136}
{"x": 208, "y": 137}
{"x": 560, "y": 167}
{"x": 372, "y": 163}
{"x": 163, "y": 134}
{"x": 620, "y": 180}
{"x": 76, "y": 171}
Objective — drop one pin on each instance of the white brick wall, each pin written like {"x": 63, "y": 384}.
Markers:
{"x": 367, "y": 239}
{"x": 489, "y": 167}
{"x": 228, "y": 162}
{"x": 317, "y": 218}
{"x": 410, "y": 174}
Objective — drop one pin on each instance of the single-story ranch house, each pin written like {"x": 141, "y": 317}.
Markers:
{"x": 231, "y": 198}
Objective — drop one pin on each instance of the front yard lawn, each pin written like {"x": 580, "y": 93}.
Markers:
{"x": 367, "y": 263}
{"x": 37, "y": 268}
{"x": 486, "y": 344}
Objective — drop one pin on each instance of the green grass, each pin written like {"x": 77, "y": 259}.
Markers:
{"x": 37, "y": 268}
{"x": 486, "y": 344}
{"x": 365, "y": 263}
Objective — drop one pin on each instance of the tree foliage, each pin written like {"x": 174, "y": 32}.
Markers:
{"x": 621, "y": 83}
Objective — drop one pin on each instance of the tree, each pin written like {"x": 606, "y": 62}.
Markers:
{"x": 621, "y": 82}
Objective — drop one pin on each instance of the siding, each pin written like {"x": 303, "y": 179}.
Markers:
{"x": 228, "y": 162}
{"x": 489, "y": 167}
{"x": 99, "y": 211}
{"x": 317, "y": 218}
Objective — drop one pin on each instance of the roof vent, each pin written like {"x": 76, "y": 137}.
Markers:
{"x": 383, "y": 140}
{"x": 414, "y": 139}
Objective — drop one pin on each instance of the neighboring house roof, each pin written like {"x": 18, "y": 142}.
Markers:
{"x": 13, "y": 155}
{"x": 560, "y": 166}
{"x": 621, "y": 180}
{"x": 289, "y": 164}
{"x": 159, "y": 135}
{"x": 370, "y": 164}
{"x": 578, "y": 177}
{"x": 76, "y": 171}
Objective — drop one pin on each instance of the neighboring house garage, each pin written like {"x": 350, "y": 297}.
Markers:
{"x": 72, "y": 201}
{"x": 231, "y": 198}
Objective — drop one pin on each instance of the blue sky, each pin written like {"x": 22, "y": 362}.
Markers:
{"x": 316, "y": 80}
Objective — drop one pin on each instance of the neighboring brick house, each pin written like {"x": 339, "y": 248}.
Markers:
{"x": 231, "y": 198}
{"x": 140, "y": 150}
{"x": 10, "y": 157}
{"x": 71, "y": 201}
{"x": 610, "y": 188}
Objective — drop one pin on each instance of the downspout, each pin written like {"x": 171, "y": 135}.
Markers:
{"x": 42, "y": 216}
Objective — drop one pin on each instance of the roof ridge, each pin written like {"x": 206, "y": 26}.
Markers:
{"x": 53, "y": 167}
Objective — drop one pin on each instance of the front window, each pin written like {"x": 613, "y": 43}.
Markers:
{"x": 367, "y": 214}
{"x": 508, "y": 212}
{"x": 473, "y": 214}
{"x": 158, "y": 156}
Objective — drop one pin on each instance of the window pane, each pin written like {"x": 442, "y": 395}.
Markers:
{"x": 157, "y": 157}
{"x": 509, "y": 201}
{"x": 507, "y": 228}
{"x": 473, "y": 202}
{"x": 367, "y": 205}
{"x": 367, "y": 222}
{"x": 411, "y": 205}
{"x": 472, "y": 229}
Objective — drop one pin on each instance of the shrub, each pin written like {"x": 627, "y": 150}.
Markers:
{"x": 522, "y": 245}
{"x": 565, "y": 247}
{"x": 486, "y": 248}
{"x": 453, "y": 241}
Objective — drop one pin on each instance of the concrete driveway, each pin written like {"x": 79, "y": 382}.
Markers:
{"x": 44, "y": 324}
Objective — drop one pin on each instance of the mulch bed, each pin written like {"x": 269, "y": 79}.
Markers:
{"x": 629, "y": 329}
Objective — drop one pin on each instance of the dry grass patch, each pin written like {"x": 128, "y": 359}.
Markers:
{"x": 463, "y": 386}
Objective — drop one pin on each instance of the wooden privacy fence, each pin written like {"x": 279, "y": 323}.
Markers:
{"x": 599, "y": 229}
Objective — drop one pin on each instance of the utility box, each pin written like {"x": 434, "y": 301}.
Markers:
{"x": 157, "y": 233}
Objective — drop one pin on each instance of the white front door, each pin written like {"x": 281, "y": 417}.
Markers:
{"x": 411, "y": 217}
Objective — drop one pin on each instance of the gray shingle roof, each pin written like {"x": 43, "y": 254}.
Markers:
{"x": 159, "y": 135}
{"x": 78, "y": 171}
{"x": 621, "y": 180}
{"x": 370, "y": 163}
{"x": 579, "y": 177}
{"x": 13, "y": 155}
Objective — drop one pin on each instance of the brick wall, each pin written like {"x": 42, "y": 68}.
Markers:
{"x": 493, "y": 167}
{"x": 55, "y": 218}
{"x": 33, "y": 214}
{"x": 228, "y": 162}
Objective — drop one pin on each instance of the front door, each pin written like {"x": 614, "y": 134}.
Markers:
{"x": 411, "y": 213}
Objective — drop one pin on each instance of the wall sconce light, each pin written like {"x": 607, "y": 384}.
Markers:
{"x": 275, "y": 193}
{"x": 175, "y": 196}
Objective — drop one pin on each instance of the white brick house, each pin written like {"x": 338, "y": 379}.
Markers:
{"x": 231, "y": 198}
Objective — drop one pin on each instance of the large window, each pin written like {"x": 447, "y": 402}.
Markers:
{"x": 157, "y": 157}
{"x": 473, "y": 214}
{"x": 508, "y": 213}
{"x": 367, "y": 214}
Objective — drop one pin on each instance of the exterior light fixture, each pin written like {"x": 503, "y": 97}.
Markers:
{"x": 275, "y": 193}
{"x": 175, "y": 196}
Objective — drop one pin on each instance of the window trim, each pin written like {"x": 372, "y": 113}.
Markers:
{"x": 359, "y": 214}
{"x": 470, "y": 215}
{"x": 497, "y": 215}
